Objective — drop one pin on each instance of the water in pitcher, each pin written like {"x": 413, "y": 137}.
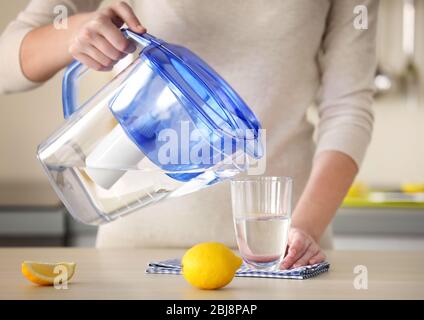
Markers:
{"x": 262, "y": 239}
{"x": 135, "y": 189}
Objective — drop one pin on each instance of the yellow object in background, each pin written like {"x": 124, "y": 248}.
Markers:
{"x": 210, "y": 265}
{"x": 45, "y": 273}
{"x": 358, "y": 190}
{"x": 413, "y": 187}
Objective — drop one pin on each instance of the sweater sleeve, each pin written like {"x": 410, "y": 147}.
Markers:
{"x": 347, "y": 63}
{"x": 36, "y": 14}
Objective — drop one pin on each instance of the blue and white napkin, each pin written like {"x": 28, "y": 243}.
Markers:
{"x": 173, "y": 266}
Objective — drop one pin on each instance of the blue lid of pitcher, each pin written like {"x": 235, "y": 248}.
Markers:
{"x": 202, "y": 90}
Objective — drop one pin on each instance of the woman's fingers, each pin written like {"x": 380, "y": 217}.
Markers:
{"x": 97, "y": 55}
{"x": 81, "y": 47}
{"x": 89, "y": 62}
{"x": 127, "y": 15}
{"x": 299, "y": 253}
{"x": 297, "y": 247}
{"x": 294, "y": 248}
{"x": 304, "y": 259}
{"x": 100, "y": 43}
{"x": 105, "y": 47}
{"x": 111, "y": 33}
{"x": 302, "y": 250}
{"x": 319, "y": 257}
{"x": 112, "y": 18}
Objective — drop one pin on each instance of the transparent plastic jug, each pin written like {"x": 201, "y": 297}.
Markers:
{"x": 166, "y": 126}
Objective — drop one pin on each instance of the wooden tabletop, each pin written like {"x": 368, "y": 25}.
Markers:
{"x": 119, "y": 274}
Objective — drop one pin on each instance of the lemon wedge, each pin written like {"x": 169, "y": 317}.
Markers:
{"x": 45, "y": 273}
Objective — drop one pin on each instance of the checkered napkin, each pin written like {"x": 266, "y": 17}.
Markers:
{"x": 173, "y": 266}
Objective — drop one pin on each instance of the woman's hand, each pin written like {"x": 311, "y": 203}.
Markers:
{"x": 302, "y": 250}
{"x": 330, "y": 179}
{"x": 98, "y": 43}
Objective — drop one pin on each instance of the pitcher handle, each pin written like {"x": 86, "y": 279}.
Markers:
{"x": 76, "y": 69}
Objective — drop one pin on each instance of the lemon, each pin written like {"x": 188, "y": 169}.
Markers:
{"x": 210, "y": 265}
{"x": 44, "y": 273}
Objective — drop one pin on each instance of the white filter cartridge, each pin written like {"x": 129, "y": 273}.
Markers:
{"x": 112, "y": 156}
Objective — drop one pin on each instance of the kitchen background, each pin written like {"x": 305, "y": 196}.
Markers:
{"x": 376, "y": 215}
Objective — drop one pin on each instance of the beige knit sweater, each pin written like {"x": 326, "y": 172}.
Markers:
{"x": 280, "y": 56}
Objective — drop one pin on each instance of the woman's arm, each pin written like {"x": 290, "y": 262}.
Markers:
{"x": 347, "y": 63}
{"x": 45, "y": 50}
{"x": 32, "y": 50}
{"x": 92, "y": 38}
{"x": 332, "y": 174}
{"x": 36, "y": 14}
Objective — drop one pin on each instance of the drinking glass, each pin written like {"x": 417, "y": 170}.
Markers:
{"x": 261, "y": 213}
